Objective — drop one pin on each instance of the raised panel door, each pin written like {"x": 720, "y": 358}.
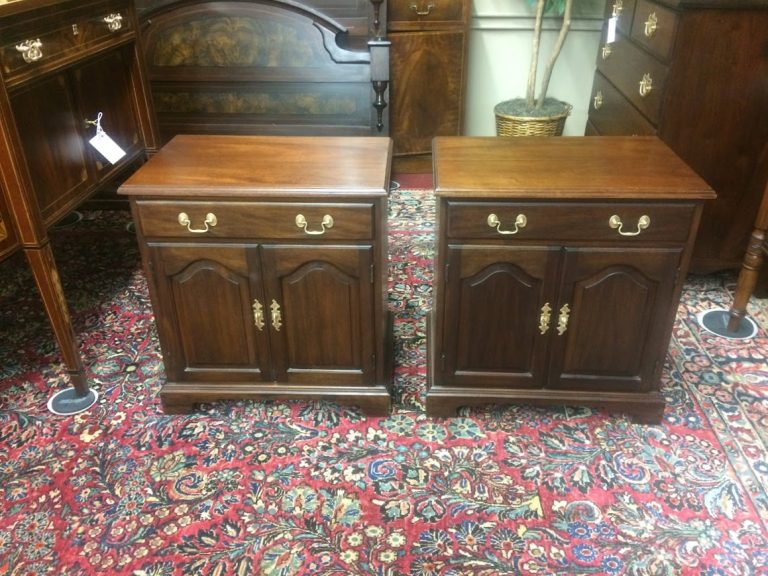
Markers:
{"x": 209, "y": 313}
{"x": 617, "y": 317}
{"x": 496, "y": 325}
{"x": 321, "y": 312}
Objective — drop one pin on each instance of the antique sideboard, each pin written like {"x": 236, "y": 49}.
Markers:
{"x": 694, "y": 73}
{"x": 67, "y": 67}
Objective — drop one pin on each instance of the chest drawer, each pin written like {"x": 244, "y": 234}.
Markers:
{"x": 612, "y": 114}
{"x": 47, "y": 41}
{"x": 655, "y": 28}
{"x": 622, "y": 10}
{"x": 255, "y": 220}
{"x": 408, "y": 11}
{"x": 563, "y": 222}
{"x": 639, "y": 76}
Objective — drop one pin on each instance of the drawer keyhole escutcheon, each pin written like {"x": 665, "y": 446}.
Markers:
{"x": 424, "y": 12}
{"x": 651, "y": 24}
{"x": 277, "y": 319}
{"x": 326, "y": 223}
{"x": 562, "y": 319}
{"x": 209, "y": 222}
{"x": 258, "y": 315}
{"x": 520, "y": 223}
{"x": 114, "y": 22}
{"x": 616, "y": 223}
{"x": 597, "y": 102}
{"x": 31, "y": 50}
{"x": 646, "y": 85}
{"x": 546, "y": 314}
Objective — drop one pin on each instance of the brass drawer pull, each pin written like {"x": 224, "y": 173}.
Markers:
{"x": 277, "y": 319}
{"x": 114, "y": 22}
{"x": 210, "y": 220}
{"x": 618, "y": 6}
{"x": 258, "y": 315}
{"x": 651, "y": 24}
{"x": 643, "y": 223}
{"x": 327, "y": 223}
{"x": 597, "y": 102}
{"x": 520, "y": 222}
{"x": 606, "y": 51}
{"x": 426, "y": 12}
{"x": 646, "y": 85}
{"x": 562, "y": 319}
{"x": 546, "y": 313}
{"x": 31, "y": 50}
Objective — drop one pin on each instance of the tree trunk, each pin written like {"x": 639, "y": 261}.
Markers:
{"x": 530, "y": 95}
{"x": 566, "y": 25}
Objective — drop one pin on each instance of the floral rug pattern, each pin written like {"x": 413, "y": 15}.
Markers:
{"x": 300, "y": 488}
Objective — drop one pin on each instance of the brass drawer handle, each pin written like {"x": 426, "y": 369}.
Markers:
{"x": 546, "y": 313}
{"x": 114, "y": 22}
{"x": 276, "y": 316}
{"x": 616, "y": 223}
{"x": 618, "y": 6}
{"x": 520, "y": 223}
{"x": 651, "y": 24}
{"x": 426, "y": 12}
{"x": 646, "y": 85}
{"x": 606, "y": 51}
{"x": 327, "y": 223}
{"x": 562, "y": 319}
{"x": 258, "y": 315}
{"x": 31, "y": 50}
{"x": 210, "y": 220}
{"x": 597, "y": 102}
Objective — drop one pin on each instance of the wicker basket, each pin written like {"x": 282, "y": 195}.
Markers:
{"x": 509, "y": 125}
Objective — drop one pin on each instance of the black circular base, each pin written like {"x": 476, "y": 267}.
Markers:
{"x": 394, "y": 184}
{"x": 716, "y": 322}
{"x": 66, "y": 402}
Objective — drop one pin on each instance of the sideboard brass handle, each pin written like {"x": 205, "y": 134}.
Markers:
{"x": 562, "y": 319}
{"x": 210, "y": 220}
{"x": 651, "y": 24}
{"x": 606, "y": 51}
{"x": 520, "y": 222}
{"x": 598, "y": 100}
{"x": 31, "y": 50}
{"x": 114, "y": 22}
{"x": 326, "y": 223}
{"x": 418, "y": 12}
{"x": 616, "y": 223}
{"x": 618, "y": 6}
{"x": 277, "y": 319}
{"x": 646, "y": 85}
{"x": 258, "y": 315}
{"x": 546, "y": 314}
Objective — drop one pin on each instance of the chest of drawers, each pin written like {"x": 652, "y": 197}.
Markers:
{"x": 558, "y": 270}
{"x": 267, "y": 267}
{"x": 693, "y": 72}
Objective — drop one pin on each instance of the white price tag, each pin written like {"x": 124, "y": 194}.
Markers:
{"x": 106, "y": 146}
{"x": 611, "y": 36}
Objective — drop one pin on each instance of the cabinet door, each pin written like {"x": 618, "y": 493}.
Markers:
{"x": 494, "y": 301}
{"x": 426, "y": 88}
{"x": 617, "y": 321}
{"x": 52, "y": 135}
{"x": 103, "y": 86}
{"x": 207, "y": 307}
{"x": 321, "y": 311}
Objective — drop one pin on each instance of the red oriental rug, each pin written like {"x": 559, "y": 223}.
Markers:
{"x": 307, "y": 488}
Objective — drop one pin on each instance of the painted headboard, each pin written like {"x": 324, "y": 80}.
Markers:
{"x": 262, "y": 67}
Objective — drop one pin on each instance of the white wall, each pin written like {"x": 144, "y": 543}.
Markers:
{"x": 499, "y": 55}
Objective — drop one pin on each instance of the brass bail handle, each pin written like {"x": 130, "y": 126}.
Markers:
{"x": 520, "y": 222}
{"x": 325, "y": 224}
{"x": 643, "y": 222}
{"x": 209, "y": 222}
{"x": 420, "y": 12}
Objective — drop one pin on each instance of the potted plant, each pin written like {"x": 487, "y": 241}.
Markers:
{"x": 537, "y": 114}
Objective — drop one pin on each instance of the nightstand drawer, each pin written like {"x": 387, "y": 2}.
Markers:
{"x": 638, "y": 76}
{"x": 612, "y": 114}
{"x": 272, "y": 220}
{"x": 421, "y": 11}
{"x": 543, "y": 222}
{"x": 51, "y": 41}
{"x": 655, "y": 28}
